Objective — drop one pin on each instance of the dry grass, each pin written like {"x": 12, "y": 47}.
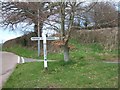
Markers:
{"x": 107, "y": 37}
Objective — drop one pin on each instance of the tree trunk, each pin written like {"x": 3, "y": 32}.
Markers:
{"x": 66, "y": 52}
{"x": 65, "y": 46}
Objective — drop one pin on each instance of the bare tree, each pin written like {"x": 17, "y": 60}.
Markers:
{"x": 14, "y": 13}
{"x": 104, "y": 14}
{"x": 65, "y": 13}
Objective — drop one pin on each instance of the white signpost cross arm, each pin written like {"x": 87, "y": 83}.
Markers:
{"x": 47, "y": 38}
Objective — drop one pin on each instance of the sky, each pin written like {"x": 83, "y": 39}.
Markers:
{"x": 6, "y": 34}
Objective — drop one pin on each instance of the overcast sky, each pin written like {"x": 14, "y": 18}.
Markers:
{"x": 7, "y": 35}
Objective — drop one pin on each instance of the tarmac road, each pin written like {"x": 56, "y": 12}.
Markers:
{"x": 8, "y": 62}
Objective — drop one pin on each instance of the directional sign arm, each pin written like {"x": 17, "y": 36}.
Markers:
{"x": 36, "y": 38}
{"x": 47, "y": 38}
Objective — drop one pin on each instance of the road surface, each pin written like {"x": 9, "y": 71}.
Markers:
{"x": 8, "y": 62}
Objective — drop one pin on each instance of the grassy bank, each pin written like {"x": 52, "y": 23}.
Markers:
{"x": 85, "y": 69}
{"x": 81, "y": 51}
{"x": 80, "y": 74}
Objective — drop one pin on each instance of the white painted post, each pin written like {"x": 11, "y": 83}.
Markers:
{"x": 23, "y": 61}
{"x": 18, "y": 59}
{"x": 44, "y": 49}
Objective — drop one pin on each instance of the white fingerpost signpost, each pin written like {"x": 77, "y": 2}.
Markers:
{"x": 44, "y": 38}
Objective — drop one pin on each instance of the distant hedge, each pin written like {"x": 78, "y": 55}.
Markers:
{"x": 106, "y": 37}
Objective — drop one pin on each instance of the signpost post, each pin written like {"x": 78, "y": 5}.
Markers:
{"x": 44, "y": 38}
{"x": 45, "y": 50}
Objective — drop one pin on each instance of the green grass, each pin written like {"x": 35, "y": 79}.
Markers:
{"x": 22, "y": 51}
{"x": 64, "y": 75}
{"x": 84, "y": 70}
{"x": 91, "y": 52}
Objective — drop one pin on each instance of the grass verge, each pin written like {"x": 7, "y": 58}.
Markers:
{"x": 84, "y": 70}
{"x": 64, "y": 75}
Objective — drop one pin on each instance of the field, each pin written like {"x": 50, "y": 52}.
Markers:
{"x": 85, "y": 69}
